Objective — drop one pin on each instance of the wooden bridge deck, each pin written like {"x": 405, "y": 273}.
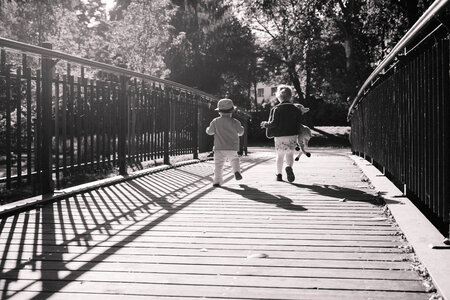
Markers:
{"x": 171, "y": 235}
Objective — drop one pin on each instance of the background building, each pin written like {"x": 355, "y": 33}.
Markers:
{"x": 265, "y": 92}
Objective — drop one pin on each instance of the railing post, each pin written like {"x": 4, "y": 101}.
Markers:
{"x": 195, "y": 129}
{"x": 47, "y": 67}
{"x": 8, "y": 95}
{"x": 446, "y": 132}
{"x": 201, "y": 138}
{"x": 123, "y": 126}
{"x": 166, "y": 113}
{"x": 245, "y": 136}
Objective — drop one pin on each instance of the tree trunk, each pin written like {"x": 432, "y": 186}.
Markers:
{"x": 308, "y": 77}
{"x": 348, "y": 54}
{"x": 293, "y": 76}
{"x": 256, "y": 96}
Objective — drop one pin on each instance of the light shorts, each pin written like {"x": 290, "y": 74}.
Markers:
{"x": 285, "y": 143}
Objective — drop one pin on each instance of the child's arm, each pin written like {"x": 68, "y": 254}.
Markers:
{"x": 271, "y": 123}
{"x": 211, "y": 130}
{"x": 239, "y": 128}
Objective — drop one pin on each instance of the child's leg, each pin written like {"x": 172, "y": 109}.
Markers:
{"x": 219, "y": 160}
{"x": 234, "y": 162}
{"x": 235, "y": 165}
{"x": 280, "y": 161}
{"x": 289, "y": 158}
{"x": 289, "y": 163}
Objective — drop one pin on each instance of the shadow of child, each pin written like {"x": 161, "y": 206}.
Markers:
{"x": 255, "y": 194}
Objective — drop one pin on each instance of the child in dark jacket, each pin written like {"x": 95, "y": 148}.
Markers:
{"x": 284, "y": 123}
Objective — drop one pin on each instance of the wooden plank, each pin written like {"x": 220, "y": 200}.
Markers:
{"x": 141, "y": 211}
{"x": 187, "y": 227}
{"x": 95, "y": 281}
{"x": 335, "y": 236}
{"x": 35, "y": 244}
{"x": 230, "y": 270}
{"x": 172, "y": 250}
{"x": 225, "y": 292}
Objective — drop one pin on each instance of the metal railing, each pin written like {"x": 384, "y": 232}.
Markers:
{"x": 400, "y": 116}
{"x": 63, "y": 115}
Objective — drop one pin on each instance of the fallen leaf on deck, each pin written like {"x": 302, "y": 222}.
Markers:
{"x": 258, "y": 255}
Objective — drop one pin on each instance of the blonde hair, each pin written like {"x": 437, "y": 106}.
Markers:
{"x": 280, "y": 89}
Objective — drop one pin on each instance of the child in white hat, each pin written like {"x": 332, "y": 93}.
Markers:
{"x": 226, "y": 131}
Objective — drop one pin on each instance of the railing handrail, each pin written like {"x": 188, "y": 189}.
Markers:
{"x": 8, "y": 43}
{"x": 412, "y": 33}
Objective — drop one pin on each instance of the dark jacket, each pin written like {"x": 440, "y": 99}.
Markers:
{"x": 286, "y": 119}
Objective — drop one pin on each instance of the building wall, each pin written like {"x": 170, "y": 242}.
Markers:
{"x": 266, "y": 92}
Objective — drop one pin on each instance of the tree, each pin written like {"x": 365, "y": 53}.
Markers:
{"x": 412, "y": 9}
{"x": 32, "y": 22}
{"x": 326, "y": 48}
{"x": 287, "y": 30}
{"x": 140, "y": 39}
{"x": 211, "y": 50}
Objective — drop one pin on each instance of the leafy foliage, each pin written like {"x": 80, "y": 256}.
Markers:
{"x": 287, "y": 31}
{"x": 325, "y": 48}
{"x": 211, "y": 50}
{"x": 140, "y": 39}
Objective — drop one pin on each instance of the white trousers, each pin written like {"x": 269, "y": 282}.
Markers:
{"x": 220, "y": 157}
{"x": 281, "y": 154}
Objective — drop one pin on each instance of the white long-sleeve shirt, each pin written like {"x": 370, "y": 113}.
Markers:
{"x": 226, "y": 131}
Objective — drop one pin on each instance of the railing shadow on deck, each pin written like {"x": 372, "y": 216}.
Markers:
{"x": 113, "y": 211}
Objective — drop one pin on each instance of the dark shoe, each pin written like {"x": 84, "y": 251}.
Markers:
{"x": 290, "y": 174}
{"x": 237, "y": 176}
{"x": 279, "y": 177}
{"x": 308, "y": 154}
{"x": 216, "y": 185}
{"x": 297, "y": 158}
{"x": 297, "y": 148}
